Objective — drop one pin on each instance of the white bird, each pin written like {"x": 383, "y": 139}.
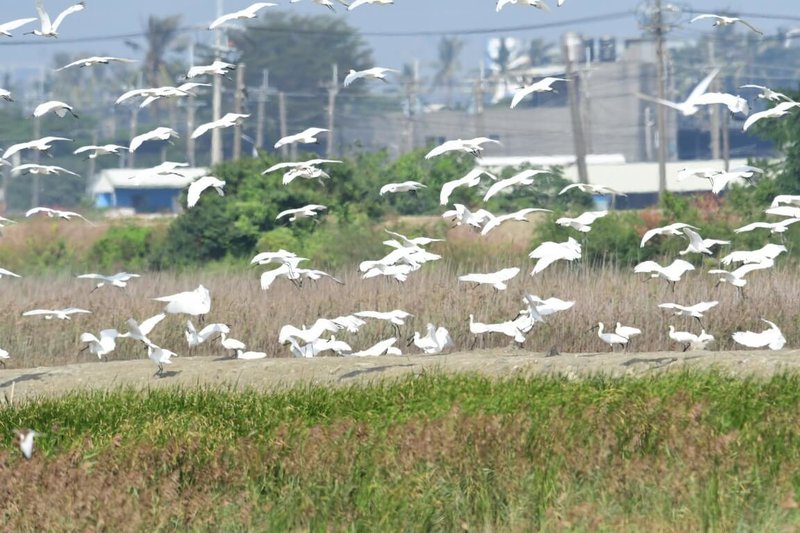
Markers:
{"x": 310, "y": 210}
{"x": 45, "y": 170}
{"x": 227, "y": 121}
{"x": 195, "y": 303}
{"x": 737, "y": 277}
{"x": 767, "y": 93}
{"x": 768, "y": 251}
{"x": 25, "y": 441}
{"x": 671, "y": 229}
{"x": 464, "y": 216}
{"x": 508, "y": 328}
{"x": 359, "y": 3}
{"x": 285, "y": 270}
{"x": 301, "y": 169}
{"x": 495, "y": 279}
{"x": 96, "y": 151}
{"x": 384, "y": 347}
{"x": 324, "y": 3}
{"x": 158, "y": 134}
{"x": 307, "y": 335}
{"x": 627, "y": 331}
{"x": 375, "y": 73}
{"x": 62, "y": 314}
{"x": 49, "y": 29}
{"x": 103, "y": 345}
{"x": 337, "y": 346}
{"x": 405, "y": 242}
{"x": 42, "y": 145}
{"x": 699, "y": 245}
{"x": 582, "y": 223}
{"x": 472, "y": 179}
{"x": 218, "y": 68}
{"x": 610, "y": 338}
{"x": 249, "y": 12}
{"x": 59, "y": 108}
{"x": 196, "y": 338}
{"x": 281, "y": 256}
{"x": 720, "y": 20}
{"x": 690, "y": 106}
{"x": 672, "y": 273}
{"x": 307, "y": 136}
{"x": 3, "y": 357}
{"x": 771, "y": 338}
{"x": 396, "y": 317}
{"x": 167, "y": 168}
{"x": 54, "y": 213}
{"x": 95, "y": 60}
{"x": 523, "y": 178}
{"x": 694, "y": 311}
{"x": 139, "y": 332}
{"x": 469, "y": 146}
{"x": 592, "y": 189}
{"x": 539, "y": 4}
{"x": 543, "y": 85}
{"x": 435, "y": 341}
{"x": 6, "y": 27}
{"x": 779, "y": 110}
{"x": 705, "y": 172}
{"x": 250, "y": 356}
{"x": 548, "y": 252}
{"x": 773, "y": 227}
{"x": 5, "y": 94}
{"x": 120, "y": 279}
{"x": 788, "y": 211}
{"x": 788, "y": 199}
{"x": 720, "y": 180}
{"x": 160, "y": 356}
{"x": 315, "y": 275}
{"x": 519, "y": 216}
{"x": 199, "y": 185}
{"x": 690, "y": 340}
{"x": 4, "y": 272}
{"x": 405, "y": 186}
{"x": 734, "y": 103}
{"x": 398, "y": 272}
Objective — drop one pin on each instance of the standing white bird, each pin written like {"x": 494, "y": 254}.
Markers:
{"x": 310, "y": 210}
{"x": 548, "y": 252}
{"x": 582, "y": 223}
{"x": 195, "y": 303}
{"x": 523, "y": 178}
{"x": 49, "y": 29}
{"x": 543, "y": 85}
{"x": 720, "y": 20}
{"x": 199, "y": 185}
{"x": 61, "y": 314}
{"x": 771, "y": 338}
{"x": 495, "y": 279}
{"x": 307, "y": 136}
{"x": 249, "y": 12}
{"x": 519, "y": 216}
{"x": 468, "y": 146}
{"x": 690, "y": 340}
{"x": 42, "y": 145}
{"x": 250, "y": 355}
{"x": 196, "y": 338}
{"x": 671, "y": 229}
{"x": 120, "y": 279}
{"x": 103, "y": 345}
{"x": 699, "y": 245}
{"x": 472, "y": 179}
{"x": 406, "y": 186}
{"x": 6, "y": 27}
{"x": 229, "y": 120}
{"x": 767, "y": 93}
{"x": 3, "y": 357}
{"x": 779, "y": 110}
{"x": 539, "y": 4}
{"x": 359, "y": 3}
{"x": 160, "y": 356}
{"x": 25, "y": 441}
{"x": 610, "y": 338}
{"x": 95, "y": 60}
{"x": 690, "y": 106}
{"x": 217, "y": 68}
{"x": 96, "y": 151}
{"x": 591, "y": 189}
{"x": 672, "y": 273}
{"x": 375, "y": 73}
{"x": 158, "y": 134}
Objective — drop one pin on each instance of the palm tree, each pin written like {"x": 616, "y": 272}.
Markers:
{"x": 160, "y": 35}
{"x": 448, "y": 65}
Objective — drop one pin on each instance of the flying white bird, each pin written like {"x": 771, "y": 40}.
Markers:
{"x": 773, "y": 227}
{"x": 610, "y": 338}
{"x": 307, "y": 335}
{"x": 218, "y": 68}
{"x": 398, "y": 272}
{"x": 6, "y": 27}
{"x": 6, "y": 95}
{"x": 508, "y": 328}
{"x": 229, "y": 120}
{"x": 315, "y": 275}
{"x": 464, "y": 216}
{"x": 385, "y": 347}
{"x": 706, "y": 172}
{"x": 690, "y": 340}
{"x": 788, "y": 199}
{"x": 396, "y": 317}
{"x": 302, "y": 169}
{"x": 55, "y": 213}
{"x": 42, "y": 145}
{"x": 779, "y": 110}
{"x": 788, "y": 211}
{"x": 592, "y": 189}
{"x": 771, "y": 338}
{"x": 672, "y": 273}
{"x": 548, "y": 252}
{"x": 25, "y": 441}
{"x": 158, "y": 134}
{"x": 540, "y": 4}
{"x": 95, "y": 151}
{"x": 307, "y": 136}
{"x": 690, "y": 106}
{"x": 196, "y": 338}
{"x": 406, "y": 186}
{"x": 323, "y": 3}
{"x": 472, "y": 179}
{"x": 44, "y": 170}
{"x": 139, "y": 332}
{"x": 435, "y": 341}
{"x": 768, "y": 251}
{"x": 250, "y": 12}
{"x": 523, "y": 178}
{"x": 160, "y": 356}
{"x": 734, "y": 103}
{"x": 359, "y": 3}
{"x": 719, "y": 181}
{"x": 543, "y": 85}
{"x": 285, "y": 270}
{"x": 582, "y": 223}
{"x": 310, "y": 210}
{"x": 737, "y": 277}
{"x": 720, "y": 20}
{"x": 95, "y": 60}
{"x": 519, "y": 216}
{"x": 671, "y": 229}
{"x": 405, "y": 242}
{"x": 375, "y": 73}
{"x": 468, "y": 146}
{"x": 495, "y": 279}
{"x": 49, "y": 29}
{"x": 197, "y": 187}
{"x": 4, "y": 272}
{"x": 281, "y": 256}
{"x": 103, "y": 345}
{"x": 699, "y": 245}
{"x": 62, "y": 314}
{"x": 120, "y": 279}
{"x": 195, "y": 303}
{"x": 694, "y": 311}
{"x": 767, "y": 93}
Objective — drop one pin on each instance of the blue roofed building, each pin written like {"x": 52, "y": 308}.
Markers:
{"x": 139, "y": 191}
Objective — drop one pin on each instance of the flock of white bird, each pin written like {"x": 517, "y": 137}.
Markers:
{"x": 407, "y": 254}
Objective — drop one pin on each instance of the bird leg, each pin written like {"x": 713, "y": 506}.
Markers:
{"x": 474, "y": 342}
{"x": 700, "y": 321}
{"x": 685, "y": 347}
{"x": 396, "y": 330}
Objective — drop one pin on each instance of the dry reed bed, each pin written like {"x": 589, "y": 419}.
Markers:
{"x": 432, "y": 294}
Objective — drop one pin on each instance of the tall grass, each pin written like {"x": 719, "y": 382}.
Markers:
{"x": 433, "y": 294}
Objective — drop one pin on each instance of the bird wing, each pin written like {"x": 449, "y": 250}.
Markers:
{"x": 497, "y": 187}
{"x": 749, "y": 25}
{"x": 80, "y": 6}
{"x": 705, "y": 16}
{"x": 521, "y": 93}
{"x": 352, "y": 76}
{"x": 287, "y": 212}
{"x": 4, "y": 272}
{"x": 572, "y": 186}
{"x": 646, "y": 267}
{"x": 44, "y": 18}
{"x": 441, "y": 149}
{"x": 203, "y": 128}
{"x": 14, "y": 24}
{"x": 222, "y": 20}
{"x": 702, "y": 87}
{"x": 196, "y": 188}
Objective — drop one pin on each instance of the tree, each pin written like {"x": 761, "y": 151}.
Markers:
{"x": 448, "y": 65}
{"x": 160, "y": 35}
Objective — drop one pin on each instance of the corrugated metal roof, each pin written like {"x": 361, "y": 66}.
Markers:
{"x": 106, "y": 181}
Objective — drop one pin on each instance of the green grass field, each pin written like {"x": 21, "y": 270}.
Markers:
{"x": 680, "y": 452}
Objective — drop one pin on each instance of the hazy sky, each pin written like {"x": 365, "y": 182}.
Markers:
{"x": 104, "y": 18}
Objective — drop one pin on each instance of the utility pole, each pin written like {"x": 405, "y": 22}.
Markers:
{"x": 333, "y": 90}
{"x": 37, "y": 133}
{"x": 216, "y": 101}
{"x": 282, "y": 120}
{"x": 570, "y": 45}
{"x": 190, "y": 116}
{"x": 411, "y": 98}
{"x": 237, "y": 108}
{"x": 726, "y": 141}
{"x": 261, "y": 113}
{"x": 478, "y": 94}
{"x": 661, "y": 119}
{"x": 713, "y": 110}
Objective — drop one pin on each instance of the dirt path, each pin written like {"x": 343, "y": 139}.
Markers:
{"x": 270, "y": 374}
